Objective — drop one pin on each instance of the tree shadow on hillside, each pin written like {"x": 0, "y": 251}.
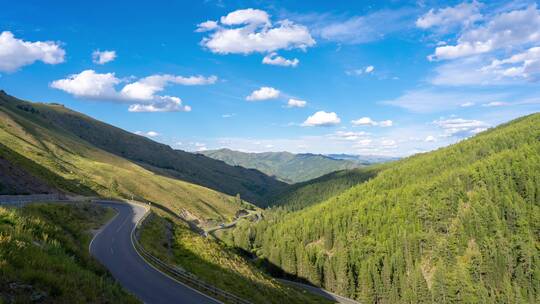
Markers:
{"x": 236, "y": 282}
{"x": 173, "y": 214}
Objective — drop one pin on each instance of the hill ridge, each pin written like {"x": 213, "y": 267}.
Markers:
{"x": 286, "y": 166}
{"x": 252, "y": 185}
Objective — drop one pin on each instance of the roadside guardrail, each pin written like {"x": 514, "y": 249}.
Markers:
{"x": 180, "y": 274}
{"x": 177, "y": 273}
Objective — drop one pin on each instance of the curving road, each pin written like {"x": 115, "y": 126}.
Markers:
{"x": 112, "y": 246}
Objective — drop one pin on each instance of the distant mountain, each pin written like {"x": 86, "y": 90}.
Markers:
{"x": 363, "y": 159}
{"x": 285, "y": 166}
{"x": 457, "y": 225}
{"x": 71, "y": 152}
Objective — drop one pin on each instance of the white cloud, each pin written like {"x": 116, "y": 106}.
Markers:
{"x": 366, "y": 121}
{"x": 505, "y": 30}
{"x": 145, "y": 88}
{"x": 16, "y": 53}
{"x": 89, "y": 84}
{"x": 430, "y": 138}
{"x": 349, "y": 135}
{"x": 467, "y": 104}
{"x": 366, "y": 70}
{"x": 251, "y": 31}
{"x": 495, "y": 104}
{"x": 364, "y": 142}
{"x": 161, "y": 104}
{"x": 275, "y": 59}
{"x": 296, "y": 103}
{"x": 200, "y": 146}
{"x": 322, "y": 119}
{"x": 141, "y": 93}
{"x": 386, "y": 123}
{"x": 147, "y": 134}
{"x": 433, "y": 100}
{"x": 102, "y": 57}
{"x": 481, "y": 70}
{"x": 207, "y": 26}
{"x": 363, "y": 29}
{"x": 466, "y": 71}
{"x": 229, "y": 115}
{"x": 246, "y": 16}
{"x": 524, "y": 65}
{"x": 460, "y": 127}
{"x": 388, "y": 143}
{"x": 464, "y": 13}
{"x": 264, "y": 93}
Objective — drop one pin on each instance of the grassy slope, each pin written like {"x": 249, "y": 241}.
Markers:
{"x": 288, "y": 167}
{"x": 458, "y": 225}
{"x": 44, "y": 252}
{"x": 73, "y": 165}
{"x": 215, "y": 264}
{"x": 162, "y": 159}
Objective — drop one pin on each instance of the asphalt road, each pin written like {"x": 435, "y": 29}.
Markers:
{"x": 112, "y": 246}
{"x": 321, "y": 292}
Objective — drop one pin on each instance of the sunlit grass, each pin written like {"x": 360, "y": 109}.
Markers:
{"x": 44, "y": 253}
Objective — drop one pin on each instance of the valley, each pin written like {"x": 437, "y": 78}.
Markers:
{"x": 270, "y": 152}
{"x": 396, "y": 231}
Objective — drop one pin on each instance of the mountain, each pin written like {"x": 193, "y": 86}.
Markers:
{"x": 43, "y": 151}
{"x": 58, "y": 138}
{"x": 363, "y": 159}
{"x": 456, "y": 225}
{"x": 288, "y": 167}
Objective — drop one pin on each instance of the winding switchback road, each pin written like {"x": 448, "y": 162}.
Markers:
{"x": 113, "y": 247}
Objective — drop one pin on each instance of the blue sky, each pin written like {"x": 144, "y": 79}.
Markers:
{"x": 370, "y": 77}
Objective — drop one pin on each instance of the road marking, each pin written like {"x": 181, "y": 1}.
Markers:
{"x": 112, "y": 252}
{"x": 163, "y": 273}
{"x": 123, "y": 223}
{"x": 103, "y": 228}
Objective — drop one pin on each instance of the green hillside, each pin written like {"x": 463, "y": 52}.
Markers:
{"x": 288, "y": 167}
{"x": 44, "y": 256}
{"x": 37, "y": 155}
{"x": 301, "y": 195}
{"x": 457, "y": 225}
{"x": 157, "y": 158}
{"x": 222, "y": 267}
{"x": 48, "y": 157}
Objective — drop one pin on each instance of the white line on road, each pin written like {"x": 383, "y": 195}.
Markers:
{"x": 123, "y": 223}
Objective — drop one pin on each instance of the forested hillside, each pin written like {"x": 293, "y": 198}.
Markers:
{"x": 161, "y": 159}
{"x": 172, "y": 241}
{"x": 457, "y": 225}
{"x": 286, "y": 166}
{"x": 317, "y": 190}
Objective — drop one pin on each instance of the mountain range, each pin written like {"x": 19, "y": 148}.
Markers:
{"x": 285, "y": 166}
